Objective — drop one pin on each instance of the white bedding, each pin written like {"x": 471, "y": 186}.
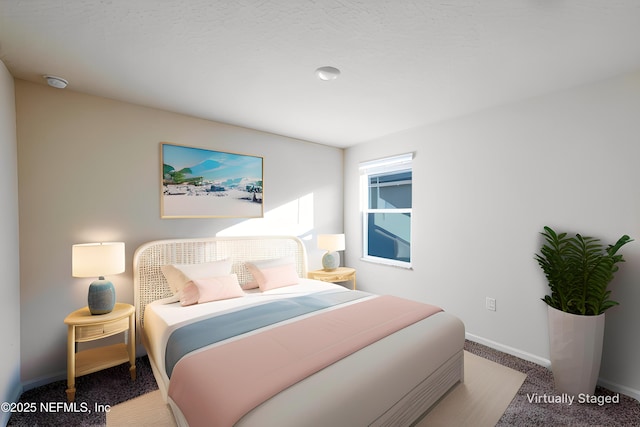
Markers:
{"x": 163, "y": 316}
{"x": 357, "y": 390}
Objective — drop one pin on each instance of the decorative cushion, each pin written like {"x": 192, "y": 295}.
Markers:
{"x": 250, "y": 285}
{"x": 273, "y": 273}
{"x": 198, "y": 291}
{"x": 178, "y": 275}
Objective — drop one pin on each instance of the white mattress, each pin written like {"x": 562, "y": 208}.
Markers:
{"x": 370, "y": 381}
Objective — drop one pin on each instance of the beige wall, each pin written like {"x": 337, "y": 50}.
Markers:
{"x": 486, "y": 184}
{"x": 10, "y": 387}
{"x": 89, "y": 171}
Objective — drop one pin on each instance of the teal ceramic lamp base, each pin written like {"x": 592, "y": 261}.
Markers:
{"x": 331, "y": 261}
{"x": 102, "y": 296}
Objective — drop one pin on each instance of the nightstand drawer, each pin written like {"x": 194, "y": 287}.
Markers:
{"x": 115, "y": 327}
{"x": 91, "y": 332}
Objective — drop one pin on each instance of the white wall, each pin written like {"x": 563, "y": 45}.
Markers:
{"x": 486, "y": 184}
{"x": 10, "y": 387}
{"x": 89, "y": 170}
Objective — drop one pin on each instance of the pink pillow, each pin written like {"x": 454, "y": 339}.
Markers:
{"x": 178, "y": 275}
{"x": 274, "y": 274}
{"x": 198, "y": 291}
{"x": 250, "y": 285}
{"x": 254, "y": 266}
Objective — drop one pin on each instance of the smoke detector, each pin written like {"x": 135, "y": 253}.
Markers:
{"x": 57, "y": 82}
{"x": 327, "y": 73}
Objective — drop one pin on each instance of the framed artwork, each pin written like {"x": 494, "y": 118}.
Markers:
{"x": 201, "y": 183}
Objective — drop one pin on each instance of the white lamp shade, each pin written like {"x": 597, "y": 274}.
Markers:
{"x": 97, "y": 259}
{"x": 331, "y": 242}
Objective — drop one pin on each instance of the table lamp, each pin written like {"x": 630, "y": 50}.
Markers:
{"x": 331, "y": 243}
{"x": 98, "y": 260}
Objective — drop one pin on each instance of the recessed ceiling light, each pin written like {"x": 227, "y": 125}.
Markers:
{"x": 57, "y": 82}
{"x": 327, "y": 73}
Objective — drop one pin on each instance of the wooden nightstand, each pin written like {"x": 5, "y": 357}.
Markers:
{"x": 340, "y": 274}
{"x": 83, "y": 327}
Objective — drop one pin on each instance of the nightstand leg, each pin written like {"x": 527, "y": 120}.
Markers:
{"x": 71, "y": 394}
{"x": 132, "y": 345}
{"x": 71, "y": 363}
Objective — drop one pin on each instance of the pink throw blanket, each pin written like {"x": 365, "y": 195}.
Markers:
{"x": 217, "y": 386}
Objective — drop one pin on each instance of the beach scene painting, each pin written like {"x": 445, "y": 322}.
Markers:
{"x": 201, "y": 183}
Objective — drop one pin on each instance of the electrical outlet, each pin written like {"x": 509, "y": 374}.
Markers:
{"x": 491, "y": 304}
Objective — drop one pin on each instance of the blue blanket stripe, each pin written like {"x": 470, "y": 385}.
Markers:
{"x": 212, "y": 330}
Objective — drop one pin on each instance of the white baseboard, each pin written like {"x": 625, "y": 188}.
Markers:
{"x": 509, "y": 350}
{"x": 28, "y": 385}
{"x": 615, "y": 387}
{"x": 610, "y": 385}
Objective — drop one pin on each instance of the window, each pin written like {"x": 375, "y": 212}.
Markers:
{"x": 386, "y": 210}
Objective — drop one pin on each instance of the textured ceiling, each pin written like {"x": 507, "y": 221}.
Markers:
{"x": 251, "y": 62}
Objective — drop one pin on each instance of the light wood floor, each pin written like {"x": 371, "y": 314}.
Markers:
{"x": 487, "y": 391}
{"x": 146, "y": 410}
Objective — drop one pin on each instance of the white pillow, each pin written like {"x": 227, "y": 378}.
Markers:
{"x": 178, "y": 275}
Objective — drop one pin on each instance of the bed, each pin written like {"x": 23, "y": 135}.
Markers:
{"x": 389, "y": 379}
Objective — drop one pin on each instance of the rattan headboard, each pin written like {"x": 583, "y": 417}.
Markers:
{"x": 149, "y": 282}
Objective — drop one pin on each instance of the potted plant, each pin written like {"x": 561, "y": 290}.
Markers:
{"x": 578, "y": 271}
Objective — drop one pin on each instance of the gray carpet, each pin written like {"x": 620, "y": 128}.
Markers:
{"x": 108, "y": 387}
{"x": 522, "y": 412}
{"x": 113, "y": 386}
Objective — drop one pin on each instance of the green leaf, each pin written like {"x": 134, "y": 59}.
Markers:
{"x": 578, "y": 270}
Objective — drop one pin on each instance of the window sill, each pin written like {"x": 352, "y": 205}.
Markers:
{"x": 382, "y": 261}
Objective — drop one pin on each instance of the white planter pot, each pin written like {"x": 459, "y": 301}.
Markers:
{"x": 575, "y": 345}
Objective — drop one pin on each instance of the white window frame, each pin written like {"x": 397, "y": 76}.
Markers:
{"x": 392, "y": 164}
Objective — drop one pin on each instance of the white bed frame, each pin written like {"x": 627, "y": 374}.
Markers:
{"x": 150, "y": 285}
{"x": 149, "y": 282}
